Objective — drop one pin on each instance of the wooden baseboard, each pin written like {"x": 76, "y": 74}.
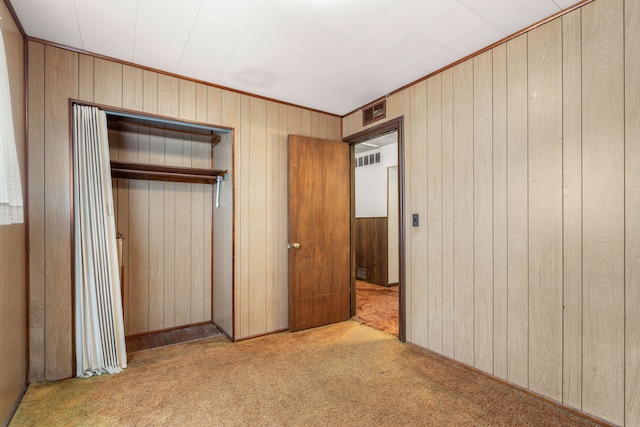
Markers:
{"x": 524, "y": 390}
{"x": 261, "y": 335}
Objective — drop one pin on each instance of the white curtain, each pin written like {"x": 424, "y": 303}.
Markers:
{"x": 10, "y": 186}
{"x": 100, "y": 345}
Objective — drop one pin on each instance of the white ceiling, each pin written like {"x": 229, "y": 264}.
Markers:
{"x": 330, "y": 55}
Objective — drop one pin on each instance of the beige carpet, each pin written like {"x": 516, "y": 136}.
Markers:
{"x": 338, "y": 375}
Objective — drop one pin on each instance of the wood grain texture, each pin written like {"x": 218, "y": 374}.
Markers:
{"x": 434, "y": 212}
{"x": 463, "y": 210}
{"x": 500, "y": 183}
{"x": 243, "y": 206}
{"x": 483, "y": 211}
{"x": 14, "y": 263}
{"x": 132, "y": 87}
{"x": 517, "y": 206}
{"x": 150, "y": 91}
{"x": 572, "y": 208}
{"x": 274, "y": 251}
{"x": 37, "y": 211}
{"x": 85, "y": 77}
{"x": 632, "y": 213}
{"x": 107, "y": 82}
{"x": 408, "y": 147}
{"x": 418, "y": 164}
{"x": 545, "y": 209}
{"x": 603, "y": 209}
{"x": 372, "y": 249}
{"x": 61, "y": 83}
{"x": 257, "y": 202}
{"x": 448, "y": 272}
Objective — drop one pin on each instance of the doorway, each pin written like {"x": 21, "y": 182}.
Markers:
{"x": 377, "y": 224}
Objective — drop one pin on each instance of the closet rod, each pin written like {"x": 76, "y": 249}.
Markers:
{"x": 215, "y": 139}
{"x": 150, "y": 172}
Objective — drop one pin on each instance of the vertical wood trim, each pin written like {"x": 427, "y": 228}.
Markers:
{"x": 61, "y": 83}
{"x": 632, "y": 213}
{"x": 572, "y": 208}
{"x": 273, "y": 251}
{"x": 244, "y": 187}
{"x": 85, "y": 77}
{"x": 448, "y": 275}
{"x": 256, "y": 220}
{"x": 37, "y": 210}
{"x": 107, "y": 84}
{"x": 603, "y": 208}
{"x": 283, "y": 217}
{"x": 434, "y": 212}
{"x": 150, "y": 92}
{"x": 545, "y": 209}
{"x": 500, "y": 323}
{"x": 132, "y": 87}
{"x": 483, "y": 211}
{"x": 408, "y": 151}
{"x": 517, "y": 206}
{"x": 418, "y": 165}
{"x": 463, "y": 210}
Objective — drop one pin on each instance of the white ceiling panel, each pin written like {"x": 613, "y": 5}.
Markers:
{"x": 346, "y": 17}
{"x": 330, "y": 55}
{"x": 523, "y": 14}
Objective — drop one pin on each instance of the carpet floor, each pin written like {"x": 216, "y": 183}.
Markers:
{"x": 338, "y": 375}
{"x": 377, "y": 306}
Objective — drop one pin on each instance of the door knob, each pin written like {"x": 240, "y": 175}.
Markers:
{"x": 294, "y": 245}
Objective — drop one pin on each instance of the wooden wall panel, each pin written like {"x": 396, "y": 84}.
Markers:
{"x": 463, "y": 211}
{"x": 448, "y": 272}
{"x": 559, "y": 195}
{"x": 603, "y": 208}
{"x": 500, "y": 264}
{"x": 372, "y": 249}
{"x": 545, "y": 209}
{"x": 14, "y": 263}
{"x": 408, "y": 150}
{"x": 572, "y": 209}
{"x": 517, "y": 207}
{"x": 37, "y": 211}
{"x": 483, "y": 212}
{"x": 632, "y": 212}
{"x": 61, "y": 83}
{"x": 434, "y": 212}
{"x": 418, "y": 165}
{"x": 58, "y": 75}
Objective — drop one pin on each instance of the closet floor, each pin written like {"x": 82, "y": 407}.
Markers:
{"x": 161, "y": 339}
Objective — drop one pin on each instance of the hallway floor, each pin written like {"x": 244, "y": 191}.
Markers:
{"x": 377, "y": 306}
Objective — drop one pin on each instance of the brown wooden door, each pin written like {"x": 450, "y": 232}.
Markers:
{"x": 319, "y": 220}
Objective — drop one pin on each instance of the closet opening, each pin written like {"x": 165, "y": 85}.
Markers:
{"x": 172, "y": 184}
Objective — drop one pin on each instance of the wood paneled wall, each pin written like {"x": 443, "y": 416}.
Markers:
{"x": 13, "y": 240}
{"x": 260, "y": 192}
{"x": 372, "y": 252}
{"x": 524, "y": 163}
{"x": 167, "y": 228}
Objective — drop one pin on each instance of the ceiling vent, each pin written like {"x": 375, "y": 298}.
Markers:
{"x": 374, "y": 112}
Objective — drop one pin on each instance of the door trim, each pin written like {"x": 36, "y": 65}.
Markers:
{"x": 396, "y": 124}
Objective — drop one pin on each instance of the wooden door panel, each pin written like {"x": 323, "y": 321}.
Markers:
{"x": 319, "y": 219}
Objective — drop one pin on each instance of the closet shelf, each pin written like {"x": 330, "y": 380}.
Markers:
{"x": 150, "y": 172}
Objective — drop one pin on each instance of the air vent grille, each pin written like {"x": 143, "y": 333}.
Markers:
{"x": 368, "y": 159}
{"x": 374, "y": 112}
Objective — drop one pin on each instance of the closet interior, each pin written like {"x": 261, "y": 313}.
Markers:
{"x": 173, "y": 206}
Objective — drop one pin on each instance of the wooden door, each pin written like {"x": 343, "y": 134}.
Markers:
{"x": 319, "y": 221}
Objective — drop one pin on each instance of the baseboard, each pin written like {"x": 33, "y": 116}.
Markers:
{"x": 14, "y": 408}
{"x": 261, "y": 335}
{"x": 547, "y": 400}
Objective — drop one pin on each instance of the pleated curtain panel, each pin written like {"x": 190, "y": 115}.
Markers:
{"x": 100, "y": 344}
{"x": 10, "y": 187}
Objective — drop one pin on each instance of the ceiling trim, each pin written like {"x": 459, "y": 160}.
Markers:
{"x": 478, "y": 52}
{"x": 166, "y": 73}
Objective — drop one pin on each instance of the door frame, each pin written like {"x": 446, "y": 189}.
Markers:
{"x": 397, "y": 125}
